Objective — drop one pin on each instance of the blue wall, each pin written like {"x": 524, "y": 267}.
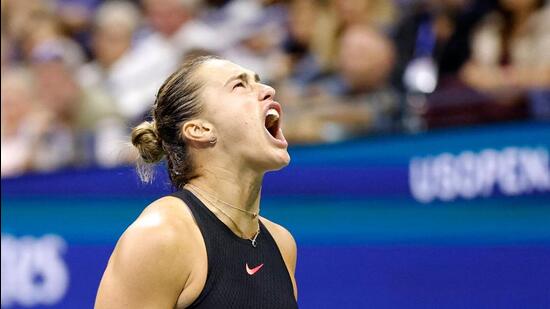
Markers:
{"x": 449, "y": 219}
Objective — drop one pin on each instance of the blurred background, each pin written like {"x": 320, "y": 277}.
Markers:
{"x": 419, "y": 132}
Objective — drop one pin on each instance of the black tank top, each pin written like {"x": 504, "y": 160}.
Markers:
{"x": 239, "y": 275}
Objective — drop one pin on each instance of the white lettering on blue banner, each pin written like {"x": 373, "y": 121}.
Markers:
{"x": 447, "y": 177}
{"x": 33, "y": 270}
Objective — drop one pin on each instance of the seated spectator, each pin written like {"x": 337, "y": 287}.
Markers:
{"x": 175, "y": 29}
{"x": 301, "y": 63}
{"x": 44, "y": 32}
{"x": 433, "y": 43}
{"x": 508, "y": 57}
{"x": 314, "y": 31}
{"x": 59, "y": 97}
{"x": 112, "y": 37}
{"x": 83, "y": 129}
{"x": 342, "y": 14}
{"x": 257, "y": 35}
{"x": 510, "y": 48}
{"x": 76, "y": 17}
{"x": 17, "y": 21}
{"x": 357, "y": 100}
{"x": 113, "y": 31}
{"x": 46, "y": 127}
{"x": 19, "y": 121}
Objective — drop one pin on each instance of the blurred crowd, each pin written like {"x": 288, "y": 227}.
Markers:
{"x": 77, "y": 75}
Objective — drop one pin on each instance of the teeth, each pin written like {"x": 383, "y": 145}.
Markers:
{"x": 273, "y": 112}
{"x": 271, "y": 118}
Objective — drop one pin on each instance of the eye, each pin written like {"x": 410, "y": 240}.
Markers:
{"x": 239, "y": 84}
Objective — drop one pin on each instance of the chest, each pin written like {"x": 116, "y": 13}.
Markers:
{"x": 234, "y": 274}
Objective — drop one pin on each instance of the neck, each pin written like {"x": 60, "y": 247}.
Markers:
{"x": 239, "y": 188}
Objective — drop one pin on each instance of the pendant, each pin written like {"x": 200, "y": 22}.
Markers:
{"x": 253, "y": 240}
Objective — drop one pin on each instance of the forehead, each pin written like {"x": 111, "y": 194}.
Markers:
{"x": 217, "y": 72}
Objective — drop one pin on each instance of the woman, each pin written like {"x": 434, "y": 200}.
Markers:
{"x": 510, "y": 48}
{"x": 205, "y": 246}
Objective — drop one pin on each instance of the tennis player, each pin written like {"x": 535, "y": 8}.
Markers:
{"x": 206, "y": 246}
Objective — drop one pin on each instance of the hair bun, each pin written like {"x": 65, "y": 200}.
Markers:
{"x": 146, "y": 139}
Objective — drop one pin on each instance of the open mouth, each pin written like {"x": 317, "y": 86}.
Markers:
{"x": 272, "y": 122}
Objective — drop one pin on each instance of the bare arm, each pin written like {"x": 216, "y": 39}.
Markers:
{"x": 149, "y": 267}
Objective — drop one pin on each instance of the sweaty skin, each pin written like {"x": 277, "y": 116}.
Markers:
{"x": 160, "y": 261}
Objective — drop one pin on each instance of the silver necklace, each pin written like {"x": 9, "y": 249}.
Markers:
{"x": 250, "y": 213}
{"x": 203, "y": 195}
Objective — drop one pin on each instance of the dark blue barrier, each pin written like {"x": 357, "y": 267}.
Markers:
{"x": 450, "y": 219}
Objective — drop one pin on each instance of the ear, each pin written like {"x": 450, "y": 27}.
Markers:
{"x": 198, "y": 131}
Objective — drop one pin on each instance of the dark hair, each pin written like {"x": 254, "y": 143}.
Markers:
{"x": 178, "y": 100}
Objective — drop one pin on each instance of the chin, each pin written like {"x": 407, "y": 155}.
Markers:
{"x": 273, "y": 162}
{"x": 282, "y": 160}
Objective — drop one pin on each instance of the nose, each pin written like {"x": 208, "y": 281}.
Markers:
{"x": 266, "y": 93}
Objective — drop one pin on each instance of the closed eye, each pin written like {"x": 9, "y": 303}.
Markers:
{"x": 239, "y": 84}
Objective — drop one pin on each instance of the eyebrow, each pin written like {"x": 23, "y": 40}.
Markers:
{"x": 244, "y": 77}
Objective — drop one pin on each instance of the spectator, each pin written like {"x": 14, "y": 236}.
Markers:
{"x": 358, "y": 99}
{"x": 16, "y": 16}
{"x": 433, "y": 42}
{"x": 75, "y": 18}
{"x": 43, "y": 34}
{"x": 18, "y": 111}
{"x": 175, "y": 29}
{"x": 256, "y": 37}
{"x": 342, "y": 14}
{"x": 509, "y": 59}
{"x": 314, "y": 31}
{"x": 60, "y": 95}
{"x": 510, "y": 48}
{"x": 113, "y": 31}
{"x": 114, "y": 27}
{"x": 302, "y": 63}
{"x": 365, "y": 60}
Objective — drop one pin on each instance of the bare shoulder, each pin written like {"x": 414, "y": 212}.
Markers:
{"x": 163, "y": 223}
{"x": 153, "y": 258}
{"x": 166, "y": 226}
{"x": 282, "y": 236}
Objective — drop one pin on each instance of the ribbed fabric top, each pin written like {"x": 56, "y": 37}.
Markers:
{"x": 239, "y": 275}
